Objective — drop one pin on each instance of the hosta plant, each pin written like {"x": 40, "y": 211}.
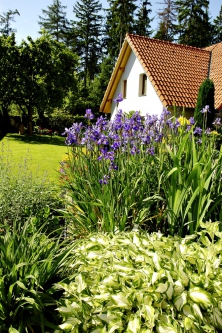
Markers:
{"x": 137, "y": 283}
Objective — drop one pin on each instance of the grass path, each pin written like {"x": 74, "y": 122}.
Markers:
{"x": 42, "y": 152}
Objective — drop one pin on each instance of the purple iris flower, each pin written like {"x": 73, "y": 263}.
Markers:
{"x": 192, "y": 121}
{"x": 89, "y": 115}
{"x": 217, "y": 122}
{"x": 208, "y": 131}
{"x": 197, "y": 131}
{"x": 150, "y": 151}
{"x": 119, "y": 98}
{"x": 205, "y": 109}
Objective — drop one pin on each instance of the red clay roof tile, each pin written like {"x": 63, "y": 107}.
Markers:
{"x": 216, "y": 71}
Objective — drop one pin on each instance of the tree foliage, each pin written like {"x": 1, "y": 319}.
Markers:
{"x": 87, "y": 27}
{"x": 55, "y": 21}
{"x": 194, "y": 27}
{"x": 46, "y": 75}
{"x": 5, "y": 22}
{"x": 143, "y": 20}
{"x": 119, "y": 20}
{"x": 218, "y": 27}
{"x": 9, "y": 64}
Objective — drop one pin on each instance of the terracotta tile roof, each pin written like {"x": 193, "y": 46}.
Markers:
{"x": 216, "y": 72}
{"x": 176, "y": 71}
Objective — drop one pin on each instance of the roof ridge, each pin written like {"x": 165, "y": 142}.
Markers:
{"x": 165, "y": 42}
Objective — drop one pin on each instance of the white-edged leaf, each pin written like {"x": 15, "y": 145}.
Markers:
{"x": 81, "y": 285}
{"x": 197, "y": 311}
{"x": 180, "y": 301}
{"x": 155, "y": 277}
{"x": 134, "y": 325}
{"x": 178, "y": 288}
{"x": 105, "y": 317}
{"x": 166, "y": 328}
{"x": 217, "y": 318}
{"x": 188, "y": 311}
{"x": 162, "y": 287}
{"x": 169, "y": 291}
{"x": 201, "y": 297}
{"x": 121, "y": 301}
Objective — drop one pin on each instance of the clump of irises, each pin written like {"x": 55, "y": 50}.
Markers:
{"x": 132, "y": 134}
{"x": 130, "y": 170}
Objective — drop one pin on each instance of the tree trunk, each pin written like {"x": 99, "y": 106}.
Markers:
{"x": 5, "y": 126}
{"x": 30, "y": 113}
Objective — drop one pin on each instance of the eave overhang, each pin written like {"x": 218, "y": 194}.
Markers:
{"x": 115, "y": 77}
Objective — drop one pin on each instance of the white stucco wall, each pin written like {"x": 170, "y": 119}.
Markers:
{"x": 133, "y": 102}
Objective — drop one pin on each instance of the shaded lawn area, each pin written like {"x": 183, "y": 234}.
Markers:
{"x": 42, "y": 152}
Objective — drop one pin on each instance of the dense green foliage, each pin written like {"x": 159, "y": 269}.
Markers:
{"x": 194, "y": 27}
{"x": 119, "y": 21}
{"x": 30, "y": 263}
{"x": 205, "y": 97}
{"x": 87, "y": 27}
{"x": 139, "y": 283}
{"x": 143, "y": 20}
{"x": 218, "y": 28}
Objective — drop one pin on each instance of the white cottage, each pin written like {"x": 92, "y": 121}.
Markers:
{"x": 152, "y": 74}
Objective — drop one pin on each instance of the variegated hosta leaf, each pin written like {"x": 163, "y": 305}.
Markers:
{"x": 134, "y": 325}
{"x": 121, "y": 301}
{"x": 217, "y": 318}
{"x": 201, "y": 297}
{"x": 180, "y": 301}
{"x": 81, "y": 284}
{"x": 166, "y": 328}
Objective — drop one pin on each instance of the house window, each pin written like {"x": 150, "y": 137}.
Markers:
{"x": 124, "y": 88}
{"x": 142, "y": 85}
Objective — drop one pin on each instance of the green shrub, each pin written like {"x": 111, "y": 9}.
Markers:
{"x": 24, "y": 194}
{"x": 137, "y": 283}
{"x": 205, "y": 97}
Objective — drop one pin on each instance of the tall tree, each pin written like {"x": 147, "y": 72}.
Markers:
{"x": 5, "y": 22}
{"x": 45, "y": 75}
{"x": 87, "y": 27}
{"x": 143, "y": 20}
{"x": 218, "y": 27}
{"x": 119, "y": 21}
{"x": 55, "y": 22}
{"x": 194, "y": 27}
{"x": 167, "y": 19}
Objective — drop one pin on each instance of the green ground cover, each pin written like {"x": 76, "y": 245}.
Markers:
{"x": 42, "y": 152}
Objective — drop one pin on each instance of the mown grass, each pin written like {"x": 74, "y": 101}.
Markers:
{"x": 42, "y": 152}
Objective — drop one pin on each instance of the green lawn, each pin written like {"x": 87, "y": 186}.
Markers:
{"x": 42, "y": 152}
